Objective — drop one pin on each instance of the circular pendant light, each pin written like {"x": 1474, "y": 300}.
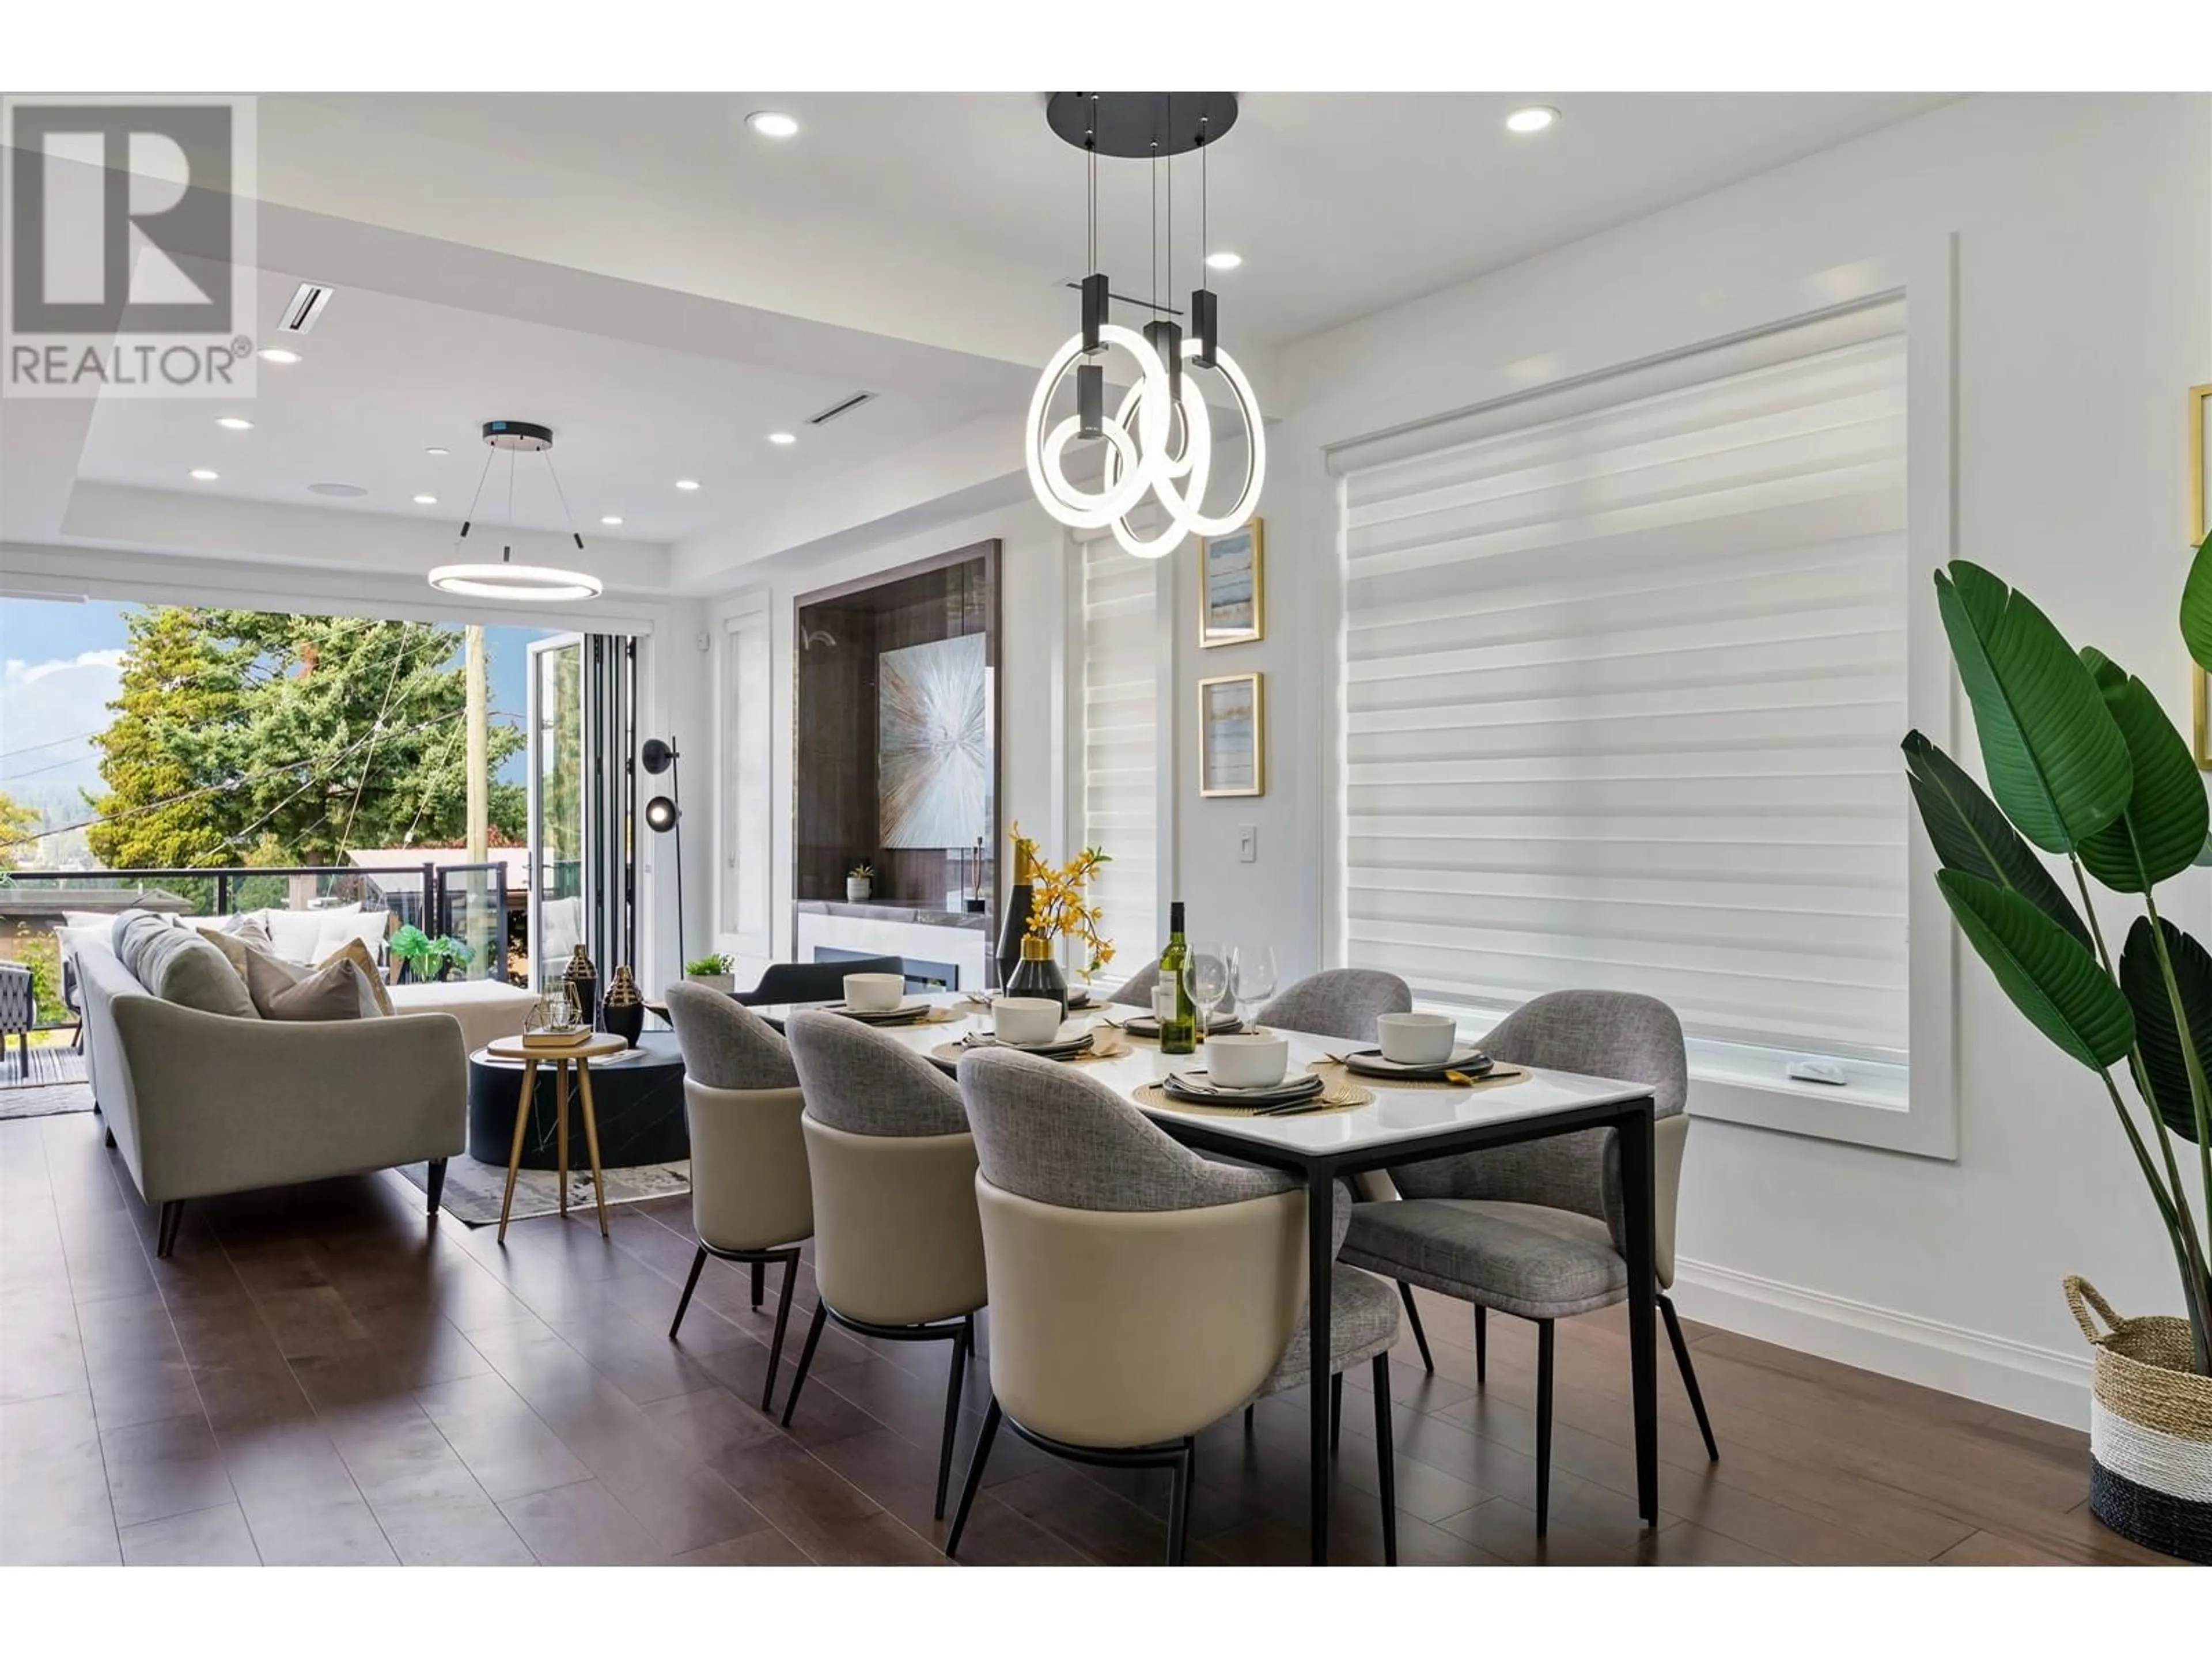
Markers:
{"x": 508, "y": 580}
{"x": 1159, "y": 442}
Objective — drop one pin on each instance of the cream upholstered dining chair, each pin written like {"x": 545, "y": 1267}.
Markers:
{"x": 897, "y": 1251}
{"x": 1338, "y": 1002}
{"x": 750, "y": 1201}
{"x": 1139, "y": 1293}
{"x": 1535, "y": 1229}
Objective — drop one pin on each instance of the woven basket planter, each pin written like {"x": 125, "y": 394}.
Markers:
{"x": 2150, "y": 1429}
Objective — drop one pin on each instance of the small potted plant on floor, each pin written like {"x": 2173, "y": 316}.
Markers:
{"x": 859, "y": 882}
{"x": 712, "y": 971}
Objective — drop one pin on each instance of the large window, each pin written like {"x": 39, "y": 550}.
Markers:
{"x": 1625, "y": 672}
{"x": 1123, "y": 664}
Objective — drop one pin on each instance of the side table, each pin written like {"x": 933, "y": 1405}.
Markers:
{"x": 560, "y": 1059}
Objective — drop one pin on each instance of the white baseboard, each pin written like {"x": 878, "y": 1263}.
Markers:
{"x": 2039, "y": 1382}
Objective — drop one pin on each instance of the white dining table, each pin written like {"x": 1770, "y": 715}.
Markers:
{"x": 1400, "y": 1126}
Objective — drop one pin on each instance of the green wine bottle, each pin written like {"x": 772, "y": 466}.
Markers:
{"x": 1178, "y": 1033}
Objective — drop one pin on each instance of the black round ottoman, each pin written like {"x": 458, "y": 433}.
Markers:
{"x": 640, "y": 1108}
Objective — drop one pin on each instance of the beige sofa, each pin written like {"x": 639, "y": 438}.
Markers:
{"x": 202, "y": 1104}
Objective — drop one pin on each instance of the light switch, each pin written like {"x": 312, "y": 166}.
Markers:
{"x": 1248, "y": 843}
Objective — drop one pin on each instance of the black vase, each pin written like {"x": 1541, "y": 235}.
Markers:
{"x": 1036, "y": 975}
{"x": 1021, "y": 899}
{"x": 622, "y": 1019}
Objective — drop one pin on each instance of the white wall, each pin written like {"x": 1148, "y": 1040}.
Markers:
{"x": 1032, "y": 599}
{"x": 2084, "y": 249}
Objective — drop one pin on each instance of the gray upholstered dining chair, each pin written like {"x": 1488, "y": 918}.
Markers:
{"x": 1139, "y": 1292}
{"x": 898, "y": 1250}
{"x": 1338, "y": 1002}
{"x": 1535, "y": 1229}
{"x": 812, "y": 982}
{"x": 1136, "y": 991}
{"x": 751, "y": 1201}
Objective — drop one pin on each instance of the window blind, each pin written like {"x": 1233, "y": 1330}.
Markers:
{"x": 1625, "y": 675}
{"x": 1121, "y": 756}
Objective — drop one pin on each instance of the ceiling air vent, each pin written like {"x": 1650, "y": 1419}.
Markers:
{"x": 305, "y": 309}
{"x": 845, "y": 406}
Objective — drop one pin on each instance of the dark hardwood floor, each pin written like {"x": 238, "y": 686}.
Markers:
{"x": 318, "y": 1376}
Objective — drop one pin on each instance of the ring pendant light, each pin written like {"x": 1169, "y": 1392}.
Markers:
{"x": 1159, "y": 441}
{"x": 506, "y": 580}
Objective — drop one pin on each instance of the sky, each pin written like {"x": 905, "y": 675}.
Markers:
{"x": 61, "y": 667}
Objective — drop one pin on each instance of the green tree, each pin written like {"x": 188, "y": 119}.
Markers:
{"x": 179, "y": 683}
{"x": 18, "y": 824}
{"x": 307, "y": 734}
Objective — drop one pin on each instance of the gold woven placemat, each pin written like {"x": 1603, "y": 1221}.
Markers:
{"x": 1152, "y": 1037}
{"x": 1339, "y": 1097}
{"x": 1102, "y": 1047}
{"x": 1332, "y": 1073}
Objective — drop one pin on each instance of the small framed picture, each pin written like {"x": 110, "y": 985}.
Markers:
{"x": 1231, "y": 581}
{"x": 1232, "y": 737}
{"x": 2200, "y": 524}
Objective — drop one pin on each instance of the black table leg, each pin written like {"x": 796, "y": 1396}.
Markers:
{"x": 1321, "y": 1200}
{"x": 1636, "y": 1162}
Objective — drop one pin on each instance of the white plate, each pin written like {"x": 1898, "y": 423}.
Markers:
{"x": 1371, "y": 1062}
{"x": 1200, "y": 1082}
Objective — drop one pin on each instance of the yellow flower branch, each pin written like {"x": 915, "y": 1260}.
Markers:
{"x": 1059, "y": 906}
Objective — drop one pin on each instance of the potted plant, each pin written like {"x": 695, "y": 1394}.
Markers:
{"x": 1059, "y": 909}
{"x": 2084, "y": 765}
{"x": 425, "y": 958}
{"x": 712, "y": 971}
{"x": 859, "y": 882}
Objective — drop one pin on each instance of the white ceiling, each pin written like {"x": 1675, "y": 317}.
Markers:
{"x": 665, "y": 288}
{"x": 382, "y": 379}
{"x": 1341, "y": 203}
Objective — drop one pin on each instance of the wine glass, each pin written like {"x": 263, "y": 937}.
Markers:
{"x": 1209, "y": 970}
{"x": 1252, "y": 976}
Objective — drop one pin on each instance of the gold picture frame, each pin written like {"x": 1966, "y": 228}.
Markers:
{"x": 1232, "y": 735}
{"x": 1232, "y": 586}
{"x": 2200, "y": 524}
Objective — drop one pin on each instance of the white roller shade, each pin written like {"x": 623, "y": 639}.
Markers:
{"x": 1625, "y": 680}
{"x": 1121, "y": 664}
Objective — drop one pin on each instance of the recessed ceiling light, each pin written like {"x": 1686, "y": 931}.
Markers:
{"x": 770, "y": 125}
{"x": 781, "y": 438}
{"x": 1535, "y": 119}
{"x": 434, "y": 450}
{"x": 1224, "y": 261}
{"x": 426, "y": 500}
{"x": 687, "y": 483}
{"x": 205, "y": 474}
{"x": 234, "y": 423}
{"x": 278, "y": 354}
{"x": 612, "y": 518}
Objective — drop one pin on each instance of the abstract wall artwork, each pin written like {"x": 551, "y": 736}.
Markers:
{"x": 933, "y": 743}
{"x": 1230, "y": 587}
{"x": 1232, "y": 737}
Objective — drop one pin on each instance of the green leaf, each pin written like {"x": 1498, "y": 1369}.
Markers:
{"x": 2049, "y": 977}
{"x": 1970, "y": 834}
{"x": 2196, "y": 606}
{"x": 2056, "y": 760}
{"x": 2164, "y": 1063}
{"x": 2163, "y": 830}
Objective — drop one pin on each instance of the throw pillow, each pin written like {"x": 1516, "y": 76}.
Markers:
{"x": 234, "y": 950}
{"x": 335, "y": 927}
{"x": 292, "y": 934}
{"x": 334, "y": 991}
{"x": 179, "y": 965}
{"x": 354, "y": 951}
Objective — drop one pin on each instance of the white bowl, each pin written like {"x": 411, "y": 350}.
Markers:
{"x": 874, "y": 994}
{"x": 1025, "y": 1019}
{"x": 1416, "y": 1039}
{"x": 1247, "y": 1062}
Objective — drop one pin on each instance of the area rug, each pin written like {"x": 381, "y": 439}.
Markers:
{"x": 473, "y": 1189}
{"x": 56, "y": 1084}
